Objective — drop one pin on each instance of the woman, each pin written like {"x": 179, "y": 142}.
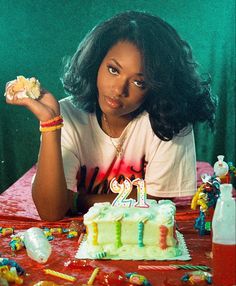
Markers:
{"x": 134, "y": 95}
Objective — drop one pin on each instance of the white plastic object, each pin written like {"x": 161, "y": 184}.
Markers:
{"x": 221, "y": 168}
{"x": 223, "y": 223}
{"x": 37, "y": 246}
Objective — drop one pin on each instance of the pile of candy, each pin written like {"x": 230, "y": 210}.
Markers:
{"x": 10, "y": 272}
{"x": 196, "y": 277}
{"x": 207, "y": 194}
{"x": 115, "y": 277}
{"x": 17, "y": 240}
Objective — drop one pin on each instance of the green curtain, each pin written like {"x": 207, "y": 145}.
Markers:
{"x": 36, "y": 34}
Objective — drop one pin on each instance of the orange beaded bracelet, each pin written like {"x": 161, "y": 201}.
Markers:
{"x": 51, "y": 122}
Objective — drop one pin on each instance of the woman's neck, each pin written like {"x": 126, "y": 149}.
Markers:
{"x": 113, "y": 125}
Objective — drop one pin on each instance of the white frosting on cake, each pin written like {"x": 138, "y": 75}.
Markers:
{"x": 132, "y": 233}
{"x": 23, "y": 87}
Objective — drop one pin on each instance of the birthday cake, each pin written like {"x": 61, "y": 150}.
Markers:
{"x": 115, "y": 232}
{"x": 23, "y": 87}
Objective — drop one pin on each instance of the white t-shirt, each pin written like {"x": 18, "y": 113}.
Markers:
{"x": 90, "y": 161}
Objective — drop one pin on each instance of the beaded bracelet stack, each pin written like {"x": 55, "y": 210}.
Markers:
{"x": 51, "y": 125}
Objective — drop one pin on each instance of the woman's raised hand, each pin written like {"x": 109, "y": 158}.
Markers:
{"x": 45, "y": 107}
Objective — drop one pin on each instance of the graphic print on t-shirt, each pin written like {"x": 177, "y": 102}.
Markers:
{"x": 96, "y": 181}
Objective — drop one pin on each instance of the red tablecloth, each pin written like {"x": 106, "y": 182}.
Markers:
{"x": 17, "y": 210}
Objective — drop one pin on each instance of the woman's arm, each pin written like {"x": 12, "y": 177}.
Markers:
{"x": 49, "y": 189}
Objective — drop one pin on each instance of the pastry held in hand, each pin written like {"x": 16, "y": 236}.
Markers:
{"x": 23, "y": 87}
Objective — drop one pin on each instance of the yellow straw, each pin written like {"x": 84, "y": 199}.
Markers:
{"x": 93, "y": 276}
{"x": 60, "y": 275}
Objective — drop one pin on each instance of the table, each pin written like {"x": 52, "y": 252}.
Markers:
{"x": 17, "y": 210}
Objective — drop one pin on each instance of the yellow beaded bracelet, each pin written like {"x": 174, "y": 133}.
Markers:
{"x": 51, "y": 128}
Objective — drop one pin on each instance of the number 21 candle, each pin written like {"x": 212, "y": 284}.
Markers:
{"x": 124, "y": 189}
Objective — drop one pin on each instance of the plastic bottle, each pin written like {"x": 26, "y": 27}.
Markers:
{"x": 37, "y": 246}
{"x": 224, "y": 240}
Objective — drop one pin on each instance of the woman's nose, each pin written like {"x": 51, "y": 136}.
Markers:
{"x": 121, "y": 87}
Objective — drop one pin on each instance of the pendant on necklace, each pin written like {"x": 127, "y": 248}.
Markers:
{"x": 119, "y": 150}
{"x": 119, "y": 147}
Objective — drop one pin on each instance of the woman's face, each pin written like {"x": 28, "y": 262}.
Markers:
{"x": 120, "y": 80}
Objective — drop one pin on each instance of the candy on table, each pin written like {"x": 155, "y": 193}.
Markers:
{"x": 6, "y": 231}
{"x": 72, "y": 234}
{"x": 137, "y": 279}
{"x": 16, "y": 243}
{"x": 60, "y": 275}
{"x": 56, "y": 230}
{"x": 74, "y": 229}
{"x": 48, "y": 234}
{"x": 12, "y": 263}
{"x": 196, "y": 277}
{"x": 10, "y": 275}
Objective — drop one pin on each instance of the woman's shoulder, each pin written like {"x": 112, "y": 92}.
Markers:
{"x": 71, "y": 112}
{"x": 67, "y": 103}
{"x": 143, "y": 118}
{"x": 143, "y": 125}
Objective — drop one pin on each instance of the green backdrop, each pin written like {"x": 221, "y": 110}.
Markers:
{"x": 36, "y": 34}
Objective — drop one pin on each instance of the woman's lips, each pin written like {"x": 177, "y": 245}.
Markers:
{"x": 112, "y": 102}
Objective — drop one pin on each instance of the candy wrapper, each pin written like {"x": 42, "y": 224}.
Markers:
{"x": 23, "y": 87}
{"x": 196, "y": 277}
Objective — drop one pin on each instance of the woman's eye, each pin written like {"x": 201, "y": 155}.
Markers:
{"x": 140, "y": 83}
{"x": 112, "y": 70}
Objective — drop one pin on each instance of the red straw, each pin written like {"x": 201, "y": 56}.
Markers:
{"x": 156, "y": 267}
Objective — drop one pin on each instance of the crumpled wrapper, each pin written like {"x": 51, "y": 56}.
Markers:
{"x": 23, "y": 87}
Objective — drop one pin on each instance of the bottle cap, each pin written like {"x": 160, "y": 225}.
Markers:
{"x": 221, "y": 168}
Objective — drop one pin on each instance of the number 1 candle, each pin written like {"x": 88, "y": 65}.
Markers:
{"x": 141, "y": 193}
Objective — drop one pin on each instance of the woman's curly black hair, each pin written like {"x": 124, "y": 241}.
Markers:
{"x": 177, "y": 95}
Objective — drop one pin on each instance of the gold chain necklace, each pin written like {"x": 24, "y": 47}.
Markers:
{"x": 119, "y": 146}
